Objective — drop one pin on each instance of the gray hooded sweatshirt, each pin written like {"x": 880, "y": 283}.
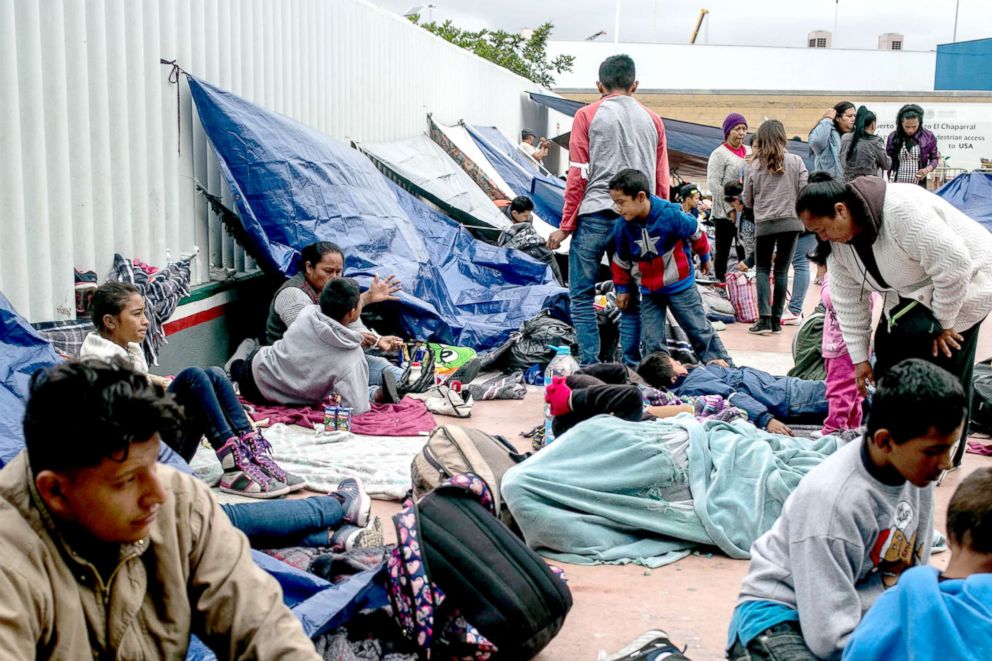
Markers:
{"x": 316, "y": 356}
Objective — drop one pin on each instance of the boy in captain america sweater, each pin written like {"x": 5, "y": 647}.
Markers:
{"x": 655, "y": 241}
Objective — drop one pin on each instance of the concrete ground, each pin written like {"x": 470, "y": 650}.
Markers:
{"x": 691, "y": 599}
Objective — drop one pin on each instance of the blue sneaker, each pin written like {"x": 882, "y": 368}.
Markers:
{"x": 349, "y": 537}
{"x": 357, "y": 504}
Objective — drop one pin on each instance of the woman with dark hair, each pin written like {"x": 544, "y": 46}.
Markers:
{"x": 912, "y": 148}
{"x": 320, "y": 263}
{"x": 771, "y": 183}
{"x": 725, "y": 167}
{"x": 931, "y": 263}
{"x": 824, "y": 139}
{"x": 208, "y": 399}
{"x": 861, "y": 151}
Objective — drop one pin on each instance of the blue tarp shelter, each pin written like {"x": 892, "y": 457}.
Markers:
{"x": 971, "y": 193}
{"x": 293, "y": 185}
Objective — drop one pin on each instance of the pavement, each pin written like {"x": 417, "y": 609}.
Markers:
{"x": 692, "y": 599}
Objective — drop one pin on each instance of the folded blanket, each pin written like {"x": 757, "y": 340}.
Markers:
{"x": 611, "y": 491}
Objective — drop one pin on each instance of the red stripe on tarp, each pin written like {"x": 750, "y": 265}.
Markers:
{"x": 193, "y": 320}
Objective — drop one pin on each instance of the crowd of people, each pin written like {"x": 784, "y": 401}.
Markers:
{"x": 112, "y": 553}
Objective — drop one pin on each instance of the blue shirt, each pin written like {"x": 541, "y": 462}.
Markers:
{"x": 753, "y": 617}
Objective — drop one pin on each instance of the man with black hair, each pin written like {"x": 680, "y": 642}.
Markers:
{"x": 527, "y": 140}
{"x": 108, "y": 554}
{"x": 653, "y": 269}
{"x": 768, "y": 400}
{"x": 689, "y": 197}
{"x": 522, "y": 236}
{"x": 318, "y": 355}
{"x": 933, "y": 614}
{"x": 610, "y": 135}
{"x": 853, "y": 525}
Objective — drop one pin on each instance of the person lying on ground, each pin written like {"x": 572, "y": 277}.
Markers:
{"x": 522, "y": 236}
{"x": 110, "y": 555}
{"x": 318, "y": 356}
{"x": 319, "y": 263}
{"x": 608, "y": 389}
{"x": 931, "y": 614}
{"x": 211, "y": 406}
{"x": 855, "y": 523}
{"x": 653, "y": 267}
{"x": 769, "y": 401}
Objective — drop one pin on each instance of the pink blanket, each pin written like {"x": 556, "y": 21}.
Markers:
{"x": 974, "y": 447}
{"x": 409, "y": 417}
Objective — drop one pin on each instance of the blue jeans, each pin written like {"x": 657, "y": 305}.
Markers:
{"x": 594, "y": 238}
{"x": 277, "y": 524}
{"x": 212, "y": 409}
{"x": 800, "y": 266}
{"x": 687, "y": 308}
{"x": 378, "y": 365}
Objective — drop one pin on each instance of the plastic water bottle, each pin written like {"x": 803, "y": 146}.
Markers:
{"x": 561, "y": 365}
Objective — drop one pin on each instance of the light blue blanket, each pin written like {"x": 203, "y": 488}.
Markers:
{"x": 611, "y": 491}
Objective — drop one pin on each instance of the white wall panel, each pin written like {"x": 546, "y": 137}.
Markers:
{"x": 89, "y": 125}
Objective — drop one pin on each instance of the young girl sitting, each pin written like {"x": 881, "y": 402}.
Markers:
{"x": 843, "y": 400}
{"x": 206, "y": 395}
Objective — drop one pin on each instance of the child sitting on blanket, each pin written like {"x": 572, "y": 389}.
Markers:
{"x": 317, "y": 356}
{"x": 206, "y": 395}
{"x": 606, "y": 389}
{"x": 853, "y": 525}
{"x": 931, "y": 614}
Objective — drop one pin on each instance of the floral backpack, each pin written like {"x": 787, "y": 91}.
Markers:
{"x": 462, "y": 585}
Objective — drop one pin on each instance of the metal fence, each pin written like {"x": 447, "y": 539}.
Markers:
{"x": 97, "y": 156}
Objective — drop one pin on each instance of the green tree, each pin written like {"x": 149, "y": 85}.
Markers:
{"x": 526, "y": 57}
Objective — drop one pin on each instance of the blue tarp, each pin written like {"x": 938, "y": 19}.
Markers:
{"x": 547, "y": 193}
{"x": 971, "y": 193}
{"x": 293, "y": 185}
{"x": 696, "y": 140}
{"x": 22, "y": 353}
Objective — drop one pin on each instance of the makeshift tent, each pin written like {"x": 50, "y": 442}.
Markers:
{"x": 422, "y": 167}
{"x": 547, "y": 192}
{"x": 293, "y": 185}
{"x": 689, "y": 144}
{"x": 971, "y": 193}
{"x": 460, "y": 145}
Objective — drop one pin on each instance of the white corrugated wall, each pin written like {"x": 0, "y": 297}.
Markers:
{"x": 89, "y": 127}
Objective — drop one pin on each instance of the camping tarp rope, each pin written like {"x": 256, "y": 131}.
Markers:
{"x": 293, "y": 185}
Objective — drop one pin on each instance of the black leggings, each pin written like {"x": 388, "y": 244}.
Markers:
{"x": 782, "y": 245}
{"x": 726, "y": 234}
{"x": 597, "y": 390}
{"x": 912, "y": 337}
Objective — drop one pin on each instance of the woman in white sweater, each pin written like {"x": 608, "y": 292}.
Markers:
{"x": 931, "y": 262}
{"x": 206, "y": 395}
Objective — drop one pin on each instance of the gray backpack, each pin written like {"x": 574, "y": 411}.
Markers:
{"x": 452, "y": 450}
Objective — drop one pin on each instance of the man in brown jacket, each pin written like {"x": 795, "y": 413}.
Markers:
{"x": 108, "y": 554}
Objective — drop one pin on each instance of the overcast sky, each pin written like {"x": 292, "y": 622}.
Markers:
{"x": 925, "y": 23}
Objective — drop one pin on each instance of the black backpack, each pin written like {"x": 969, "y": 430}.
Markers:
{"x": 981, "y": 397}
{"x": 462, "y": 584}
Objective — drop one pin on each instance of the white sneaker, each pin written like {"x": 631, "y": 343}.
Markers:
{"x": 789, "y": 319}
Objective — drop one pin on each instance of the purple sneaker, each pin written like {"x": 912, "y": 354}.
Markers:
{"x": 261, "y": 454}
{"x": 244, "y": 478}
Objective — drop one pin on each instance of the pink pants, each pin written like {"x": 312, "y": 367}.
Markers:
{"x": 843, "y": 400}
